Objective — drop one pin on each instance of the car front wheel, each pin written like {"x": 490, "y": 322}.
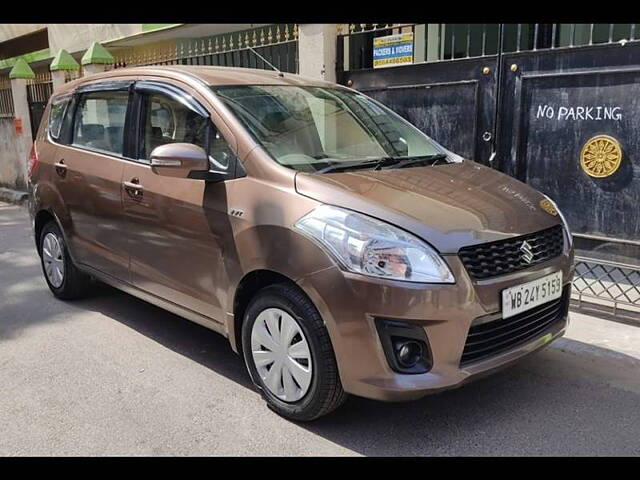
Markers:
{"x": 289, "y": 355}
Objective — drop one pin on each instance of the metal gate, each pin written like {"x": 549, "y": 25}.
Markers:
{"x": 6, "y": 99}
{"x": 277, "y": 44}
{"x": 451, "y": 97}
{"x": 39, "y": 91}
{"x": 543, "y": 103}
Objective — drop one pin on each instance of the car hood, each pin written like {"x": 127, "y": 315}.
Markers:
{"x": 450, "y": 205}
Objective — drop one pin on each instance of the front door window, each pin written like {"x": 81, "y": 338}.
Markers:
{"x": 167, "y": 120}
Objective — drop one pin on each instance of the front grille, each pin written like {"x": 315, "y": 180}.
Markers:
{"x": 490, "y": 338}
{"x": 505, "y": 256}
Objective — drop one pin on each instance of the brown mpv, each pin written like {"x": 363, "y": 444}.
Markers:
{"x": 337, "y": 247}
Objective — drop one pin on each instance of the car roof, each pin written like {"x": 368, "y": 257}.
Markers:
{"x": 210, "y": 75}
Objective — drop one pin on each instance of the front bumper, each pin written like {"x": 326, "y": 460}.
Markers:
{"x": 350, "y": 303}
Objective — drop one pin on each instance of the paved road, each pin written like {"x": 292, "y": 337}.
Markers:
{"x": 113, "y": 375}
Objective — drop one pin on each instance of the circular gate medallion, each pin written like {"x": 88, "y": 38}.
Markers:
{"x": 601, "y": 156}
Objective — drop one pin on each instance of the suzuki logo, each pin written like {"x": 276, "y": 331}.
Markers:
{"x": 527, "y": 253}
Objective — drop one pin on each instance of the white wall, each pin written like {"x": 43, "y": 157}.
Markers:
{"x": 11, "y": 165}
{"x": 9, "y": 31}
{"x": 75, "y": 37}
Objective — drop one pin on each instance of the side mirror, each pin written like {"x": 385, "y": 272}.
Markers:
{"x": 183, "y": 160}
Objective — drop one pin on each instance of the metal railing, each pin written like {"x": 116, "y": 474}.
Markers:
{"x": 438, "y": 42}
{"x": 39, "y": 89}
{"x": 607, "y": 283}
{"x": 6, "y": 99}
{"x": 70, "y": 75}
{"x": 277, "y": 43}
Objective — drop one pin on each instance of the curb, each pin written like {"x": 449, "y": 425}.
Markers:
{"x": 13, "y": 196}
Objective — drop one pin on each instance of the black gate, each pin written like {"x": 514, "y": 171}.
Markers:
{"x": 531, "y": 100}
{"x": 553, "y": 103}
{"x": 38, "y": 93}
{"x": 451, "y": 103}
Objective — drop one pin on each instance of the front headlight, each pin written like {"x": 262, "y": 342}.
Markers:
{"x": 365, "y": 245}
{"x": 564, "y": 221}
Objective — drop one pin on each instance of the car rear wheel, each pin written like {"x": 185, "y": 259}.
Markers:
{"x": 289, "y": 356}
{"x": 63, "y": 278}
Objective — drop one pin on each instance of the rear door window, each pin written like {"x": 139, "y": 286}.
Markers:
{"x": 99, "y": 121}
{"x": 58, "y": 110}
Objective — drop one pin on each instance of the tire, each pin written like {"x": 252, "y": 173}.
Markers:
{"x": 74, "y": 283}
{"x": 324, "y": 392}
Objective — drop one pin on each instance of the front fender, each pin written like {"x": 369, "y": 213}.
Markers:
{"x": 273, "y": 248}
{"x": 278, "y": 249}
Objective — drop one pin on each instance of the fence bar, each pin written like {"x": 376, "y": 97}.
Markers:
{"x": 535, "y": 36}
{"x": 484, "y": 38}
{"x": 468, "y": 38}
{"x": 573, "y": 34}
{"x": 610, "y": 32}
{"x": 453, "y": 40}
{"x": 519, "y": 37}
{"x": 591, "y": 35}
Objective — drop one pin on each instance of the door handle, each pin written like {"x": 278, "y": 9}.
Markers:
{"x": 133, "y": 188}
{"x": 61, "y": 168}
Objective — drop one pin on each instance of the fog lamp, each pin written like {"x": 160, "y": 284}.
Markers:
{"x": 405, "y": 346}
{"x": 409, "y": 353}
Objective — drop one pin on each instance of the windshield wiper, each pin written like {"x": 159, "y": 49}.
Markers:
{"x": 379, "y": 163}
{"x": 387, "y": 162}
{"x": 434, "y": 159}
{"x": 341, "y": 166}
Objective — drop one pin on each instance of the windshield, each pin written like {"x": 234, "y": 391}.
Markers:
{"x": 317, "y": 129}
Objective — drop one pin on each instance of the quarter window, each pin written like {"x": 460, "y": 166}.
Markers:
{"x": 99, "y": 121}
{"x": 58, "y": 109}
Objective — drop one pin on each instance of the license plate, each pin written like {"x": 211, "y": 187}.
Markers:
{"x": 528, "y": 295}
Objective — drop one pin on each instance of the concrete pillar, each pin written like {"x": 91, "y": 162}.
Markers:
{"x": 317, "y": 50}
{"x": 19, "y": 76}
{"x": 62, "y": 63}
{"x": 96, "y": 59}
{"x": 92, "y": 68}
{"x": 24, "y": 140}
{"x": 57, "y": 78}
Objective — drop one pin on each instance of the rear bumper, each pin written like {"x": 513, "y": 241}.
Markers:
{"x": 350, "y": 305}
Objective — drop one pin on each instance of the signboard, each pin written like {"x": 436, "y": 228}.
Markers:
{"x": 393, "y": 50}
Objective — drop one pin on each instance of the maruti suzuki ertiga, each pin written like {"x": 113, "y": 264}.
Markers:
{"x": 337, "y": 247}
